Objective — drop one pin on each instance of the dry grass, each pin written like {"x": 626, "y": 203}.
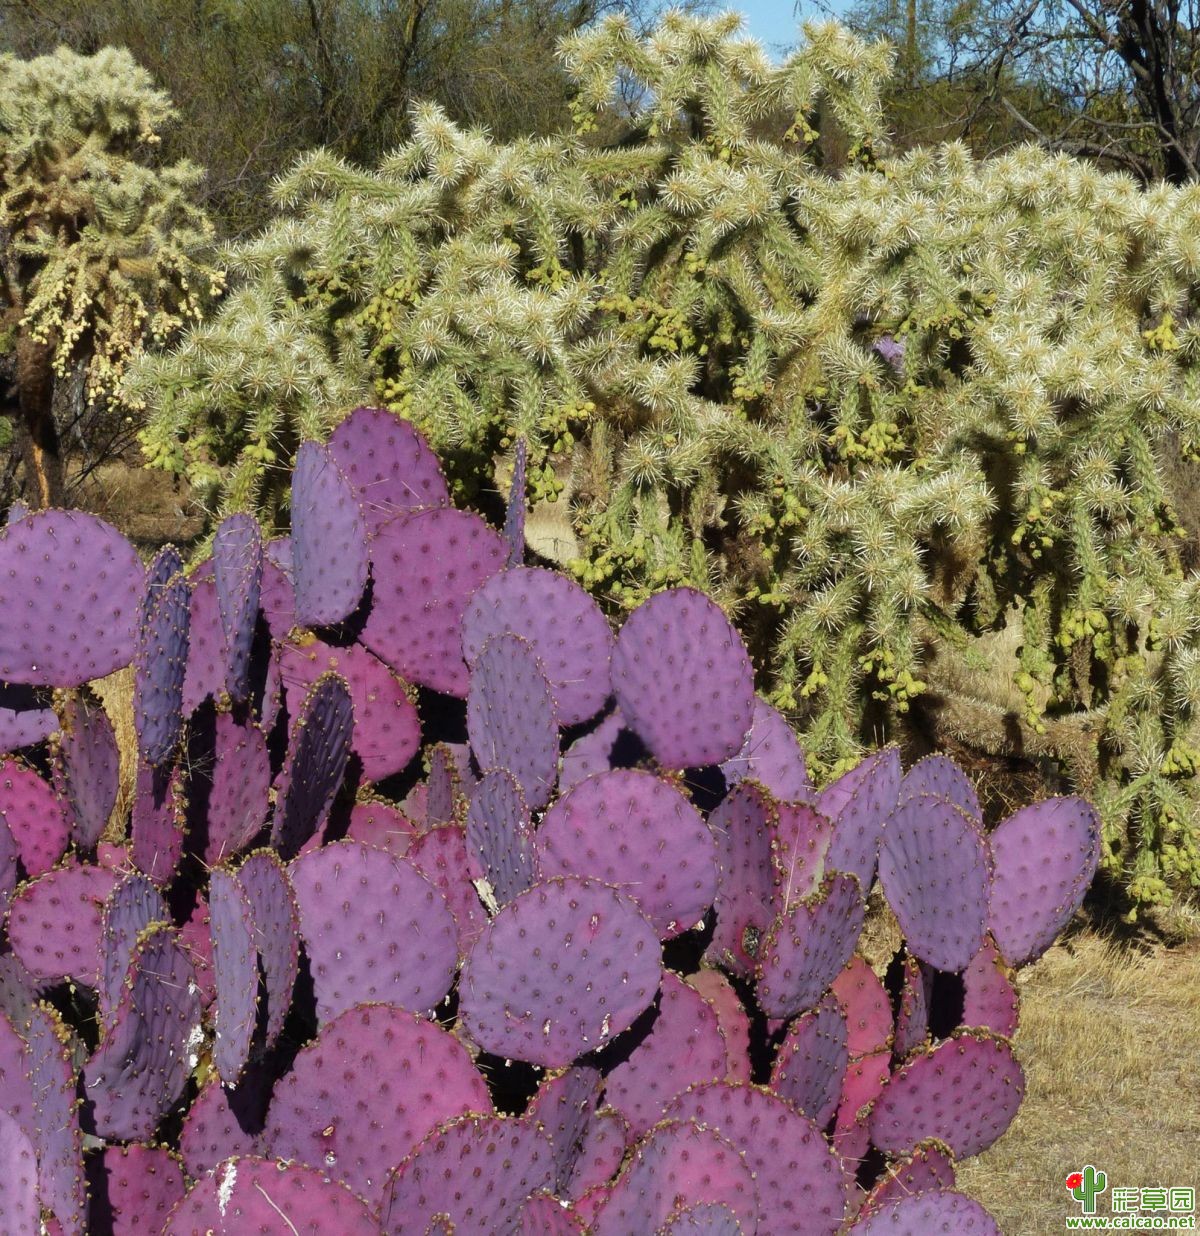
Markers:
{"x": 149, "y": 507}
{"x": 116, "y": 694}
{"x": 1110, "y": 1041}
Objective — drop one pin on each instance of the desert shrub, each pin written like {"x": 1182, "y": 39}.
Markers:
{"x": 913, "y": 421}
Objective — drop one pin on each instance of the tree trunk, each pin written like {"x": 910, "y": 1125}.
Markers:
{"x": 39, "y": 434}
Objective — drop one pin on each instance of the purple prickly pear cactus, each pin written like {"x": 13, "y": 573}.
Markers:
{"x": 543, "y": 1214}
{"x": 932, "y": 1211}
{"x": 158, "y": 822}
{"x": 241, "y": 779}
{"x": 912, "y": 1017}
{"x": 54, "y": 923}
{"x": 235, "y": 972}
{"x": 564, "y": 1107}
{"x": 807, "y": 947}
{"x": 679, "y": 1160}
{"x": 811, "y": 1062}
{"x": 88, "y": 768}
{"x": 928, "y": 1166}
{"x": 1045, "y": 858}
{"x": 597, "y": 969}
{"x": 387, "y": 732}
{"x": 259, "y": 1195}
{"x": 731, "y": 1017}
{"x": 865, "y": 1078}
{"x": 129, "y": 908}
{"x": 989, "y": 994}
{"x": 512, "y": 717}
{"x": 500, "y": 836}
{"x": 940, "y": 776}
{"x": 237, "y": 559}
{"x": 865, "y": 1003}
{"x": 640, "y": 834}
{"x": 802, "y": 1184}
{"x": 388, "y": 464}
{"x": 600, "y": 1153}
{"x": 964, "y": 1092}
{"x": 684, "y": 1047}
{"x": 56, "y": 1136}
{"x": 221, "y": 1122}
{"x": 562, "y": 623}
{"x": 683, "y": 679}
{"x": 705, "y": 1219}
{"x": 159, "y": 665}
{"x": 799, "y": 851}
{"x": 139, "y": 1070}
{"x": 743, "y": 825}
{"x": 18, "y": 1177}
{"x": 382, "y": 825}
{"x": 24, "y": 718}
{"x": 357, "y": 1129}
{"x": 134, "y": 1188}
{"x": 858, "y": 803}
{"x": 441, "y": 856}
{"x": 355, "y": 904}
{"x": 276, "y": 921}
{"x": 36, "y": 816}
{"x": 318, "y": 748}
{"x": 426, "y": 566}
{"x": 591, "y": 752}
{"x": 69, "y": 605}
{"x": 771, "y": 755}
{"x": 453, "y": 1173}
{"x": 514, "y": 515}
{"x": 936, "y": 871}
{"x": 329, "y": 539}
{"x": 204, "y": 674}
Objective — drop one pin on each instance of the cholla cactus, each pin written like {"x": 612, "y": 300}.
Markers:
{"x": 100, "y": 252}
{"x": 904, "y": 417}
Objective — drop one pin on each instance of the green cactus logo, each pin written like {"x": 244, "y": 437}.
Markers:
{"x": 1086, "y": 1186}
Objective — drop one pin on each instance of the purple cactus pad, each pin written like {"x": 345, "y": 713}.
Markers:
{"x": 593, "y": 967}
{"x": 134, "y": 1189}
{"x": 718, "y": 991}
{"x": 475, "y": 1171}
{"x": 964, "y": 1092}
{"x": 929, "y": 1166}
{"x": 771, "y": 755}
{"x": 512, "y": 717}
{"x": 940, "y": 776}
{"x": 865, "y": 1003}
{"x": 935, "y": 1211}
{"x": 912, "y": 1016}
{"x": 388, "y": 464}
{"x": 130, "y": 907}
{"x": 375, "y": 930}
{"x": 36, "y": 816}
{"x": 441, "y": 856}
{"x": 140, "y": 1069}
{"x": 204, "y": 675}
{"x": 807, "y": 947}
{"x": 591, "y": 753}
{"x": 499, "y": 835}
{"x": 158, "y": 821}
{"x": 366, "y": 1091}
{"x": 514, "y": 515}
{"x": 276, "y": 919}
{"x": 685, "y": 1046}
{"x": 811, "y": 1062}
{"x": 18, "y": 1178}
{"x": 565, "y": 627}
{"x": 24, "y": 719}
{"x": 563, "y": 1107}
{"x": 217, "y": 1125}
{"x": 159, "y": 665}
{"x": 237, "y": 556}
{"x": 426, "y": 566}
{"x": 70, "y": 591}
{"x": 706, "y": 1219}
{"x": 990, "y": 999}
{"x": 799, "y": 851}
{"x": 241, "y": 779}
{"x": 1045, "y": 859}
{"x": 683, "y": 679}
{"x": 936, "y": 871}
{"x": 235, "y": 973}
{"x": 858, "y": 803}
{"x": 88, "y": 768}
{"x": 382, "y": 825}
{"x": 329, "y": 539}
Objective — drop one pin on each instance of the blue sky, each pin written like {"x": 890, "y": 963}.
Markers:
{"x": 776, "y": 22}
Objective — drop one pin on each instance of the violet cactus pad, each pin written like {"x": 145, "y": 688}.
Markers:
{"x": 55, "y": 1132}
{"x": 928, "y": 1166}
{"x": 235, "y": 971}
{"x": 375, "y": 930}
{"x": 683, "y": 679}
{"x": 941, "y": 776}
{"x": 934, "y": 1211}
{"x": 640, "y": 834}
{"x": 36, "y": 817}
{"x": 88, "y": 768}
{"x": 499, "y": 835}
{"x": 990, "y": 999}
{"x": 159, "y": 663}
{"x": 560, "y": 971}
{"x": 812, "y": 1060}
{"x": 371, "y": 1085}
{"x": 772, "y": 756}
{"x": 1045, "y": 858}
{"x": 964, "y": 1092}
{"x": 134, "y": 1188}
{"x": 514, "y": 515}
{"x": 562, "y": 623}
{"x": 936, "y": 872}
{"x": 237, "y": 558}
{"x": 70, "y": 593}
{"x": 858, "y": 803}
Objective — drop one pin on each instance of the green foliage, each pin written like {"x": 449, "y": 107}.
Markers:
{"x": 100, "y": 252}
{"x": 907, "y": 417}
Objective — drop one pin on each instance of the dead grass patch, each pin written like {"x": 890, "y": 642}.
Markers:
{"x": 1110, "y": 1042}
